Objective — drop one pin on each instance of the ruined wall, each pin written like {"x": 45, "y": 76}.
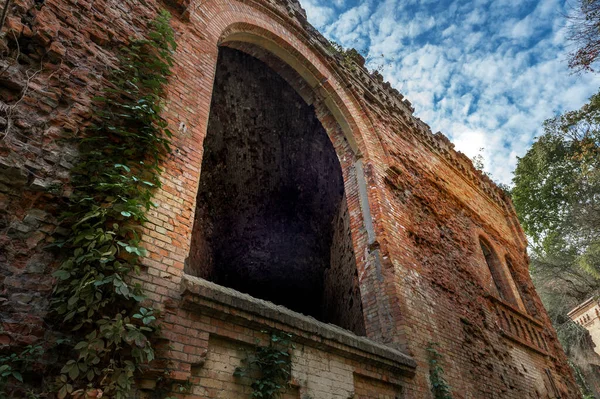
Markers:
{"x": 434, "y": 234}
{"x": 342, "y": 303}
{"x": 451, "y": 284}
{"x": 328, "y": 362}
{"x": 367, "y": 388}
{"x": 416, "y": 207}
{"x": 53, "y": 57}
{"x": 216, "y": 376}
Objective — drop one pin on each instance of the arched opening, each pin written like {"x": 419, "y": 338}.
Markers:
{"x": 523, "y": 291}
{"x": 501, "y": 280}
{"x": 271, "y": 217}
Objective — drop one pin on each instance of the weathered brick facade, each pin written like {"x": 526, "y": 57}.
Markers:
{"x": 431, "y": 247}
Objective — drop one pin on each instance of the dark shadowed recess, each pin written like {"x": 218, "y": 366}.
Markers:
{"x": 271, "y": 216}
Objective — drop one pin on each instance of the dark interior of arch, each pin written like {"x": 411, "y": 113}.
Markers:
{"x": 271, "y": 217}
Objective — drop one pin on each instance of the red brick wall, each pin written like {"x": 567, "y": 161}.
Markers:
{"x": 417, "y": 208}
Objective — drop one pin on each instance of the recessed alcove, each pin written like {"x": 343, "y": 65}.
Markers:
{"x": 272, "y": 218}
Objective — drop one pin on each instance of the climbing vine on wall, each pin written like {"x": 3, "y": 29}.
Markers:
{"x": 439, "y": 385}
{"x": 118, "y": 169}
{"x": 270, "y": 366}
{"x": 15, "y": 365}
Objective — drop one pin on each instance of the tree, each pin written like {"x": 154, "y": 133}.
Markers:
{"x": 557, "y": 198}
{"x": 557, "y": 183}
{"x": 585, "y": 34}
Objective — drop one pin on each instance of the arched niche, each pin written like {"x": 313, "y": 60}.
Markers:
{"x": 273, "y": 215}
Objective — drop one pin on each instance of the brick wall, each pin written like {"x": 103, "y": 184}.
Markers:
{"x": 416, "y": 208}
{"x": 327, "y": 362}
{"x": 342, "y": 300}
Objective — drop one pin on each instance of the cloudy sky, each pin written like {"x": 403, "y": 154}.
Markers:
{"x": 486, "y": 73}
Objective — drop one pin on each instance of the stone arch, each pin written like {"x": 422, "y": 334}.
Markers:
{"x": 315, "y": 86}
{"x": 339, "y": 112}
{"x": 272, "y": 218}
{"x": 317, "y": 91}
{"x": 222, "y": 24}
{"x": 266, "y": 27}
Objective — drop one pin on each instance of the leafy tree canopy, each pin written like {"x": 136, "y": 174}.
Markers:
{"x": 585, "y": 35}
{"x": 557, "y": 183}
{"x": 557, "y": 197}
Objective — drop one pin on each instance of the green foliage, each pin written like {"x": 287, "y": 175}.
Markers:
{"x": 584, "y": 34}
{"x": 586, "y": 392}
{"x": 13, "y": 366}
{"x": 349, "y": 58}
{"x": 478, "y": 161}
{"x": 557, "y": 198}
{"x": 119, "y": 167}
{"x": 571, "y": 335}
{"x": 439, "y": 386}
{"x": 479, "y": 164}
{"x": 272, "y": 365}
{"x": 557, "y": 182}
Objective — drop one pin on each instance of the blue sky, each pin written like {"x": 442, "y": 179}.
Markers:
{"x": 486, "y": 73}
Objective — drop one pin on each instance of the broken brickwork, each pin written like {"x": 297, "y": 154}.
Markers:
{"x": 403, "y": 240}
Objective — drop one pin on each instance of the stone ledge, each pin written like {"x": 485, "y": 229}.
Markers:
{"x": 200, "y": 294}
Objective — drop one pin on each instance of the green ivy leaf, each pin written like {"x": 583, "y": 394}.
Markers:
{"x": 62, "y": 274}
{"x": 62, "y": 392}
{"x": 81, "y": 345}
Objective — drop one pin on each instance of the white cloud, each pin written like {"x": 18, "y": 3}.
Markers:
{"x": 318, "y": 14}
{"x": 486, "y": 73}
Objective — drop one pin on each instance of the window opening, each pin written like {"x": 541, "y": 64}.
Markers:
{"x": 501, "y": 281}
{"x": 272, "y": 218}
{"x": 521, "y": 289}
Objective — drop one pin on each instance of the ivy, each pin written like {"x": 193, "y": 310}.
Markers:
{"x": 439, "y": 385}
{"x": 14, "y": 365}
{"x": 271, "y": 365}
{"x": 118, "y": 169}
